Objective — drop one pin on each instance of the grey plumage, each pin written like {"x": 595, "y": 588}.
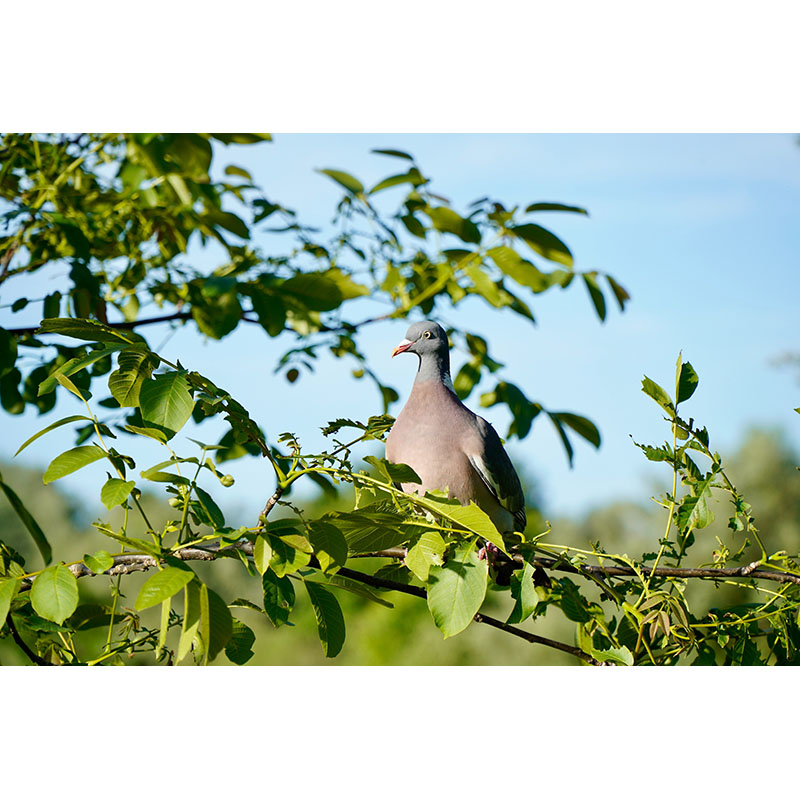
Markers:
{"x": 448, "y": 446}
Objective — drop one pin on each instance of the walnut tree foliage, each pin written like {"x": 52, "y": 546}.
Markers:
{"x": 119, "y": 214}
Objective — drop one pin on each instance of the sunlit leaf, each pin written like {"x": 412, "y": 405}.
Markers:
{"x": 543, "y": 242}
{"x": 456, "y": 590}
{"x": 166, "y": 402}
{"x": 652, "y": 389}
{"x": 353, "y": 185}
{"x": 76, "y": 365}
{"x": 134, "y": 367}
{"x": 99, "y": 562}
{"x": 596, "y": 295}
{"x": 72, "y": 460}
{"x": 161, "y": 585}
{"x": 58, "y": 424}
{"x": 8, "y": 591}
{"x": 54, "y": 593}
{"x": 555, "y": 207}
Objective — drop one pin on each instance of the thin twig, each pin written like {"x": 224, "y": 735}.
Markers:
{"x": 38, "y": 660}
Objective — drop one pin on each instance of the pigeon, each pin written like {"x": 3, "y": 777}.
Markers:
{"x": 450, "y": 448}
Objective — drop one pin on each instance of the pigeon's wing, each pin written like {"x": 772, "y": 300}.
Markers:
{"x": 498, "y": 473}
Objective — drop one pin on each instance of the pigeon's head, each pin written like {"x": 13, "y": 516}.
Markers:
{"x": 423, "y": 338}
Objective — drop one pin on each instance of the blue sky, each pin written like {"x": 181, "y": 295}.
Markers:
{"x": 701, "y": 229}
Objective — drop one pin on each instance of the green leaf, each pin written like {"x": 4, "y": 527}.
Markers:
{"x": 88, "y": 330}
{"x": 239, "y": 647}
{"x": 573, "y": 604}
{"x": 686, "y": 381}
{"x": 524, "y": 592}
{"x": 456, "y": 590}
{"x": 8, "y": 591}
{"x": 353, "y": 185}
{"x": 72, "y": 460}
{"x": 558, "y": 425}
{"x": 394, "y": 154}
{"x": 58, "y": 424}
{"x": 180, "y": 188}
{"x": 555, "y": 207}
{"x": 657, "y": 453}
{"x": 262, "y": 553}
{"x": 330, "y": 620}
{"x": 582, "y": 426}
{"x": 37, "y": 534}
{"x": 115, "y": 491}
{"x": 330, "y": 546}
{"x": 76, "y": 365}
{"x": 599, "y": 302}
{"x": 216, "y": 624}
{"x": 471, "y": 517}
{"x": 355, "y": 587}
{"x": 621, "y": 655}
{"x": 518, "y": 269}
{"x": 413, "y": 226}
{"x": 466, "y": 379}
{"x": 191, "y": 619}
{"x": 426, "y": 553}
{"x": 228, "y": 221}
{"x": 286, "y": 559}
{"x": 210, "y": 507}
{"x": 270, "y": 310}
{"x": 543, "y": 242}
{"x": 134, "y": 367}
{"x": 348, "y": 289}
{"x": 163, "y": 630}
{"x": 397, "y": 473}
{"x": 523, "y": 410}
{"x": 367, "y": 529}
{"x": 161, "y": 585}
{"x": 448, "y": 221}
{"x": 54, "y": 593}
{"x": 242, "y": 138}
{"x": 81, "y": 394}
{"x": 315, "y": 290}
{"x": 8, "y": 351}
{"x": 652, "y": 389}
{"x": 693, "y": 511}
{"x": 413, "y": 177}
{"x": 619, "y": 292}
{"x": 242, "y": 173}
{"x": 150, "y": 433}
{"x": 99, "y": 562}
{"x": 166, "y": 402}
{"x": 279, "y": 597}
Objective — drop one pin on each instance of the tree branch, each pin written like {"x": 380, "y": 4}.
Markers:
{"x": 344, "y": 327}
{"x": 713, "y": 573}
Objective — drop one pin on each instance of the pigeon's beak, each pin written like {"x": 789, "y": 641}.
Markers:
{"x": 402, "y": 347}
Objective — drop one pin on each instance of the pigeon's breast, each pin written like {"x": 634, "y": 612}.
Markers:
{"x": 429, "y": 435}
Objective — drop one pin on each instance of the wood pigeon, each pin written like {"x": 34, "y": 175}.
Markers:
{"x": 448, "y": 446}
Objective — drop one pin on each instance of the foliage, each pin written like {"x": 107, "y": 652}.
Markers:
{"x": 122, "y": 211}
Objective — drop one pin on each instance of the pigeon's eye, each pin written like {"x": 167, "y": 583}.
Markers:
{"x": 427, "y": 334}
